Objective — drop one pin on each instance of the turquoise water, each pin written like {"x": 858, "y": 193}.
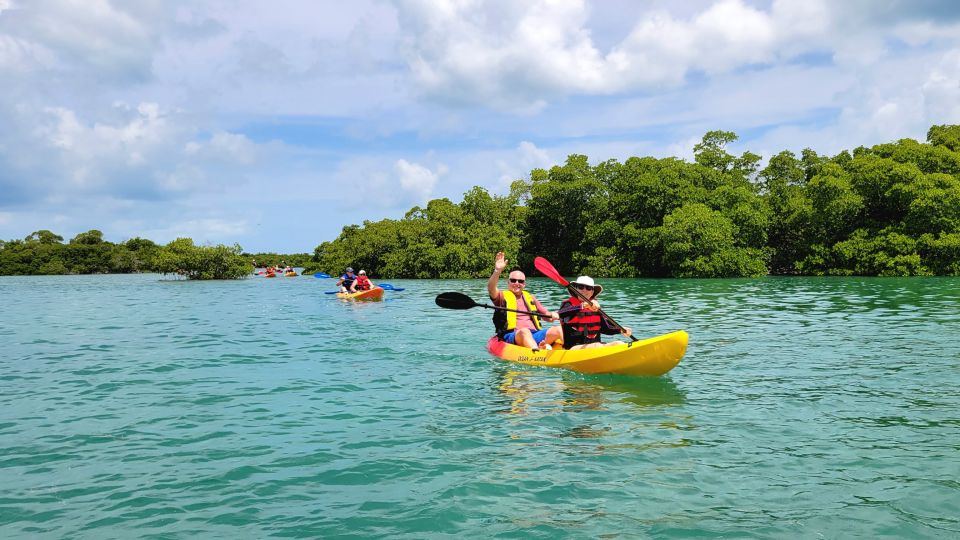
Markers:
{"x": 134, "y": 407}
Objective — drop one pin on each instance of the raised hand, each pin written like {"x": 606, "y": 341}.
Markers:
{"x": 500, "y": 262}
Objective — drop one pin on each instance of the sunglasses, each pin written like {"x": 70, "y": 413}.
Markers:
{"x": 583, "y": 287}
{"x": 512, "y": 280}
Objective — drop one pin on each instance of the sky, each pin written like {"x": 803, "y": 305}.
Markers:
{"x": 275, "y": 124}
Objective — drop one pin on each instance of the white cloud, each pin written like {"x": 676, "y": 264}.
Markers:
{"x": 464, "y": 53}
{"x": 101, "y": 155}
{"x": 418, "y": 180}
{"x": 941, "y": 91}
{"x": 504, "y": 53}
{"x": 683, "y": 149}
{"x": 363, "y": 182}
{"x": 518, "y": 164}
{"x": 224, "y": 147}
{"x": 20, "y": 56}
{"x": 663, "y": 50}
{"x": 92, "y": 36}
{"x": 532, "y": 157}
{"x": 141, "y": 152}
{"x": 209, "y": 228}
{"x": 921, "y": 33}
{"x": 158, "y": 111}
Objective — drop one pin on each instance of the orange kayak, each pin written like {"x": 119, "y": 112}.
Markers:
{"x": 375, "y": 293}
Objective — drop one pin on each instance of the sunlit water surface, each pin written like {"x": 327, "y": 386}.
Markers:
{"x": 136, "y": 407}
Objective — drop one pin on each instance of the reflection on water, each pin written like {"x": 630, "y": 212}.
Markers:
{"x": 643, "y": 392}
{"x": 515, "y": 386}
{"x": 620, "y": 413}
{"x": 571, "y": 392}
{"x": 576, "y": 392}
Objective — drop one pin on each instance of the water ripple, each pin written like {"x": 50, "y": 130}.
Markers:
{"x": 131, "y": 407}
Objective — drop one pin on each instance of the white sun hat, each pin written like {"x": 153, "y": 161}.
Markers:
{"x": 587, "y": 280}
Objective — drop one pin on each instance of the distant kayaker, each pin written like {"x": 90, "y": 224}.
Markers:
{"x": 581, "y": 324}
{"x": 362, "y": 283}
{"x": 518, "y": 328}
{"x": 346, "y": 281}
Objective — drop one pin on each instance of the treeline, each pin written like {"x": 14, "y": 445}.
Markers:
{"x": 279, "y": 259}
{"x": 889, "y": 210}
{"x": 43, "y": 252}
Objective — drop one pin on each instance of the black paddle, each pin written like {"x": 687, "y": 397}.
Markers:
{"x": 455, "y": 300}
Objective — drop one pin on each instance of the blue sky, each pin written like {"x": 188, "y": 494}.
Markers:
{"x": 275, "y": 124}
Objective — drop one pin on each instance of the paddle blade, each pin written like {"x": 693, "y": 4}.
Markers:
{"x": 548, "y": 270}
{"x": 321, "y": 275}
{"x": 455, "y": 300}
{"x": 330, "y": 292}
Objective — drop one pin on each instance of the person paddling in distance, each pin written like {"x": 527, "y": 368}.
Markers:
{"x": 518, "y": 328}
{"x": 580, "y": 323}
{"x": 362, "y": 283}
{"x": 346, "y": 281}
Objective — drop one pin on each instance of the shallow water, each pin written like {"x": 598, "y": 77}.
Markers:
{"x": 136, "y": 407}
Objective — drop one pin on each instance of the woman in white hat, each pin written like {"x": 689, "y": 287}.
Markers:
{"x": 581, "y": 323}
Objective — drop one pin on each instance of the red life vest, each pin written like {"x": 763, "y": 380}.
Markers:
{"x": 363, "y": 284}
{"x": 582, "y": 328}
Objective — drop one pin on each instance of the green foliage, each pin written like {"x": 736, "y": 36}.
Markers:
{"x": 89, "y": 238}
{"x": 443, "y": 240}
{"x": 605, "y": 262}
{"x": 947, "y": 136}
{"x": 889, "y": 254}
{"x": 562, "y": 203}
{"x": 53, "y": 267}
{"x": 265, "y": 259}
{"x": 710, "y": 152}
{"x": 941, "y": 253}
{"x": 44, "y": 237}
{"x": 202, "y": 262}
{"x": 811, "y": 163}
{"x": 934, "y": 205}
{"x": 893, "y": 209}
{"x": 790, "y": 212}
{"x": 42, "y": 252}
{"x": 700, "y": 242}
{"x": 837, "y": 207}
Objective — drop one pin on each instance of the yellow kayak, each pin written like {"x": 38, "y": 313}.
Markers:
{"x": 653, "y": 356}
{"x": 375, "y": 293}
